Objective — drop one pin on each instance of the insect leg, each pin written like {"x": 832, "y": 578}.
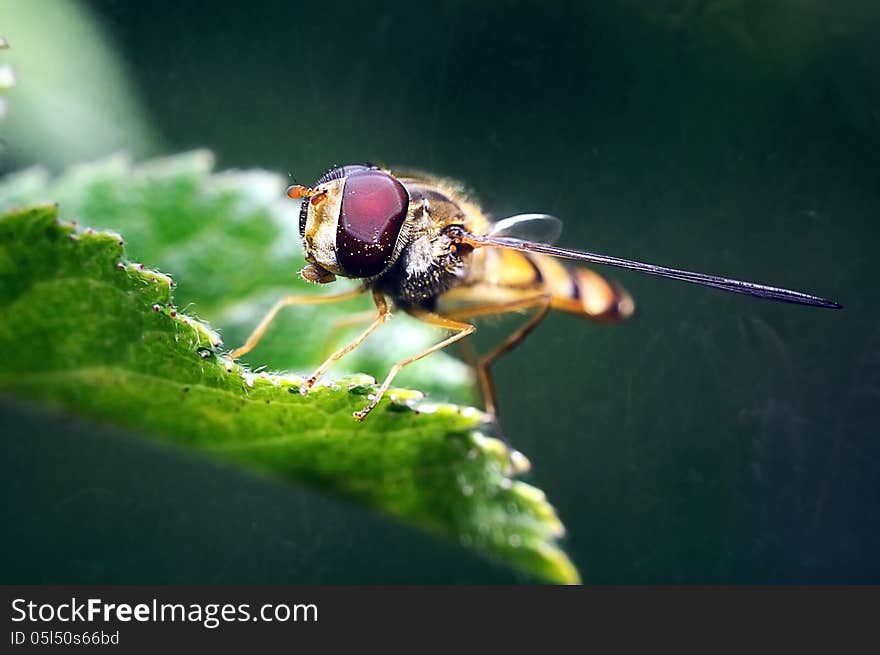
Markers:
{"x": 382, "y": 316}
{"x": 289, "y": 301}
{"x": 487, "y": 386}
{"x": 343, "y": 322}
{"x": 461, "y": 331}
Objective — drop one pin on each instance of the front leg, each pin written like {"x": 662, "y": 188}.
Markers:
{"x": 289, "y": 301}
{"x": 382, "y": 315}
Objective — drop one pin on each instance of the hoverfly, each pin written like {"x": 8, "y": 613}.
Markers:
{"x": 424, "y": 245}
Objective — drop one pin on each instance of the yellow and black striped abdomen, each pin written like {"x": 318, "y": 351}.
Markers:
{"x": 500, "y": 276}
{"x": 581, "y": 291}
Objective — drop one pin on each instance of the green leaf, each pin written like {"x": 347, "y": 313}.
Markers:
{"x": 85, "y": 330}
{"x": 232, "y": 242}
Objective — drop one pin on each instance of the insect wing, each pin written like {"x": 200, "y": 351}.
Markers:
{"x": 542, "y": 228}
{"x": 703, "y": 279}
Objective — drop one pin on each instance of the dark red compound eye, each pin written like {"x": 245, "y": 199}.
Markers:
{"x": 373, "y": 211}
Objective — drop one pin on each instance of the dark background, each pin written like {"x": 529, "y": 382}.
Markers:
{"x": 713, "y": 439}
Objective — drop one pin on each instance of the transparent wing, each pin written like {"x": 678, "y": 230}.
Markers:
{"x": 529, "y": 227}
{"x": 704, "y": 279}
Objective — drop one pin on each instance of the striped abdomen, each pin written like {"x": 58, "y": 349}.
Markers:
{"x": 499, "y": 276}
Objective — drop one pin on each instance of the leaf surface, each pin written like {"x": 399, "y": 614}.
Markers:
{"x": 85, "y": 330}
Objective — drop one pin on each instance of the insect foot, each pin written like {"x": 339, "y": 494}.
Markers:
{"x": 374, "y": 400}
{"x": 307, "y": 385}
{"x": 362, "y": 414}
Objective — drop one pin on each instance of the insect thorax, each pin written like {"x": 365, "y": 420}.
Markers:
{"x": 421, "y": 286}
{"x": 425, "y": 267}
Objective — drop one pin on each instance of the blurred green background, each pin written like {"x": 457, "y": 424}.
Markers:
{"x": 713, "y": 439}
